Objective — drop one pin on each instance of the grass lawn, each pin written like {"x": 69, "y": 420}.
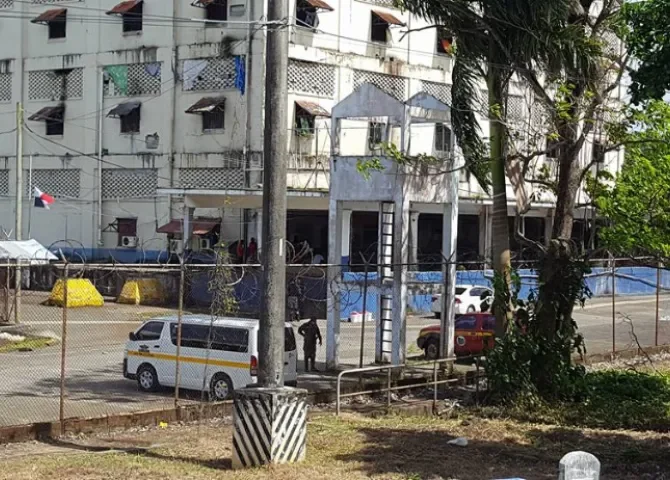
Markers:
{"x": 353, "y": 447}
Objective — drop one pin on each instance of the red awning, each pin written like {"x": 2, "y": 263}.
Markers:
{"x": 50, "y": 16}
{"x": 200, "y": 227}
{"x": 312, "y": 108}
{"x": 207, "y": 104}
{"x": 124, "y": 7}
{"x": 388, "y": 18}
{"x": 319, "y": 4}
{"x": 48, "y": 113}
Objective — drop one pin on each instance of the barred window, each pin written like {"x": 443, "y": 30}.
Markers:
{"x": 381, "y": 3}
{"x": 6, "y": 3}
{"x": 131, "y": 80}
{"x": 4, "y": 183}
{"x": 5, "y": 87}
{"x": 441, "y": 91}
{"x": 394, "y": 86}
{"x": 209, "y": 74}
{"x": 129, "y": 183}
{"x": 215, "y": 178}
{"x": 56, "y": 84}
{"x": 64, "y": 183}
{"x": 311, "y": 77}
{"x": 515, "y": 108}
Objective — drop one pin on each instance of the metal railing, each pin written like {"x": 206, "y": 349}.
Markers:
{"x": 390, "y": 388}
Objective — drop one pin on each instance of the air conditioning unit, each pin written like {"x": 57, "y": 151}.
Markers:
{"x": 204, "y": 244}
{"x": 128, "y": 242}
{"x": 176, "y": 246}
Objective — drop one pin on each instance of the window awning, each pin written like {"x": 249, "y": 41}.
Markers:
{"x": 200, "y": 227}
{"x": 388, "y": 18}
{"x": 124, "y": 7}
{"x": 207, "y": 104}
{"x": 313, "y": 108}
{"x": 320, "y": 4}
{"x": 201, "y": 3}
{"x": 50, "y": 16}
{"x": 123, "y": 109}
{"x": 48, "y": 113}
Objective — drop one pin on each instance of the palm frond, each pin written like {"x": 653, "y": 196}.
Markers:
{"x": 466, "y": 127}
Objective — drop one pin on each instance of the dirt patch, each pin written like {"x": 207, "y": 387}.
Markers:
{"x": 352, "y": 447}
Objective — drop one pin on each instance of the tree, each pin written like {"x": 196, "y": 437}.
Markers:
{"x": 649, "y": 43}
{"x": 637, "y": 203}
{"x": 495, "y": 39}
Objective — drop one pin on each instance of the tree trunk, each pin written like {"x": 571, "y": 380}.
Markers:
{"x": 500, "y": 225}
{"x": 569, "y": 176}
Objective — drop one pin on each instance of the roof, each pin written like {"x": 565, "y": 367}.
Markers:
{"x": 207, "y": 320}
{"x": 50, "y": 15}
{"x": 319, "y": 4}
{"x": 48, "y": 113}
{"x": 199, "y": 227}
{"x": 123, "y": 109}
{"x": 124, "y": 7}
{"x": 388, "y": 18}
{"x": 207, "y": 104}
{"x": 313, "y": 108}
{"x": 26, "y": 250}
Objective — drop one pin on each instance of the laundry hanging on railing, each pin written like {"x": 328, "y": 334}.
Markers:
{"x": 240, "y": 73}
{"x": 191, "y": 72}
{"x": 118, "y": 74}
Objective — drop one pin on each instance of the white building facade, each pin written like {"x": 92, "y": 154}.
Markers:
{"x": 128, "y": 105}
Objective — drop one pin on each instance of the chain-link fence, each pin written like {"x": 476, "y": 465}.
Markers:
{"x": 66, "y": 348}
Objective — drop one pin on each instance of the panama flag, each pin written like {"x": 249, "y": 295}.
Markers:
{"x": 42, "y": 200}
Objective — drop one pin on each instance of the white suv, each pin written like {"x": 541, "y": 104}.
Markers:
{"x": 469, "y": 299}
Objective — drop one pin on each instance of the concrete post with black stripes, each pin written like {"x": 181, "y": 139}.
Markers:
{"x": 270, "y": 426}
{"x": 271, "y": 419}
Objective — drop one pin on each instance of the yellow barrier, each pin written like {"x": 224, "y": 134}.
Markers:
{"x": 142, "y": 291}
{"x": 80, "y": 293}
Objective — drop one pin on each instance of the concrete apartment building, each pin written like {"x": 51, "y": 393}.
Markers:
{"x": 129, "y": 106}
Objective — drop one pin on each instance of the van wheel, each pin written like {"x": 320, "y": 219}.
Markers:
{"x": 147, "y": 379}
{"x": 431, "y": 349}
{"x": 220, "y": 388}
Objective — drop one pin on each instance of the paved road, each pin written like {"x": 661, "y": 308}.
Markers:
{"x": 29, "y": 381}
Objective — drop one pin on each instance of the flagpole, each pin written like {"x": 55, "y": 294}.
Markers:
{"x": 30, "y": 194}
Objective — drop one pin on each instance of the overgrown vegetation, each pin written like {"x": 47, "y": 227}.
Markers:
{"x": 612, "y": 399}
{"x": 533, "y": 360}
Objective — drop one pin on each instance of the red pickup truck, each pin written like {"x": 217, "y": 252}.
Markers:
{"x": 474, "y": 334}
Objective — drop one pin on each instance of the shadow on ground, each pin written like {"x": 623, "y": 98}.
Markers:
{"x": 427, "y": 455}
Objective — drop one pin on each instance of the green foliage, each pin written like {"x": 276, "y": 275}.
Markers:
{"x": 368, "y": 165}
{"x": 649, "y": 43}
{"x": 533, "y": 360}
{"x": 637, "y": 204}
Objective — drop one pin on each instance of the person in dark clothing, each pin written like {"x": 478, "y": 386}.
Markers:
{"x": 310, "y": 333}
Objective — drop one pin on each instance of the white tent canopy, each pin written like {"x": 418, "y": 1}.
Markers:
{"x": 25, "y": 251}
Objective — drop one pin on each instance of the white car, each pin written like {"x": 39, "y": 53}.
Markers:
{"x": 469, "y": 299}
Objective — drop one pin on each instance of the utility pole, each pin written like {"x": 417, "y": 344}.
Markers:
{"x": 273, "y": 297}
{"x": 282, "y": 410}
{"x": 19, "y": 208}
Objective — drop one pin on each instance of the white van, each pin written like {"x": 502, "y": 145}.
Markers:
{"x": 232, "y": 362}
